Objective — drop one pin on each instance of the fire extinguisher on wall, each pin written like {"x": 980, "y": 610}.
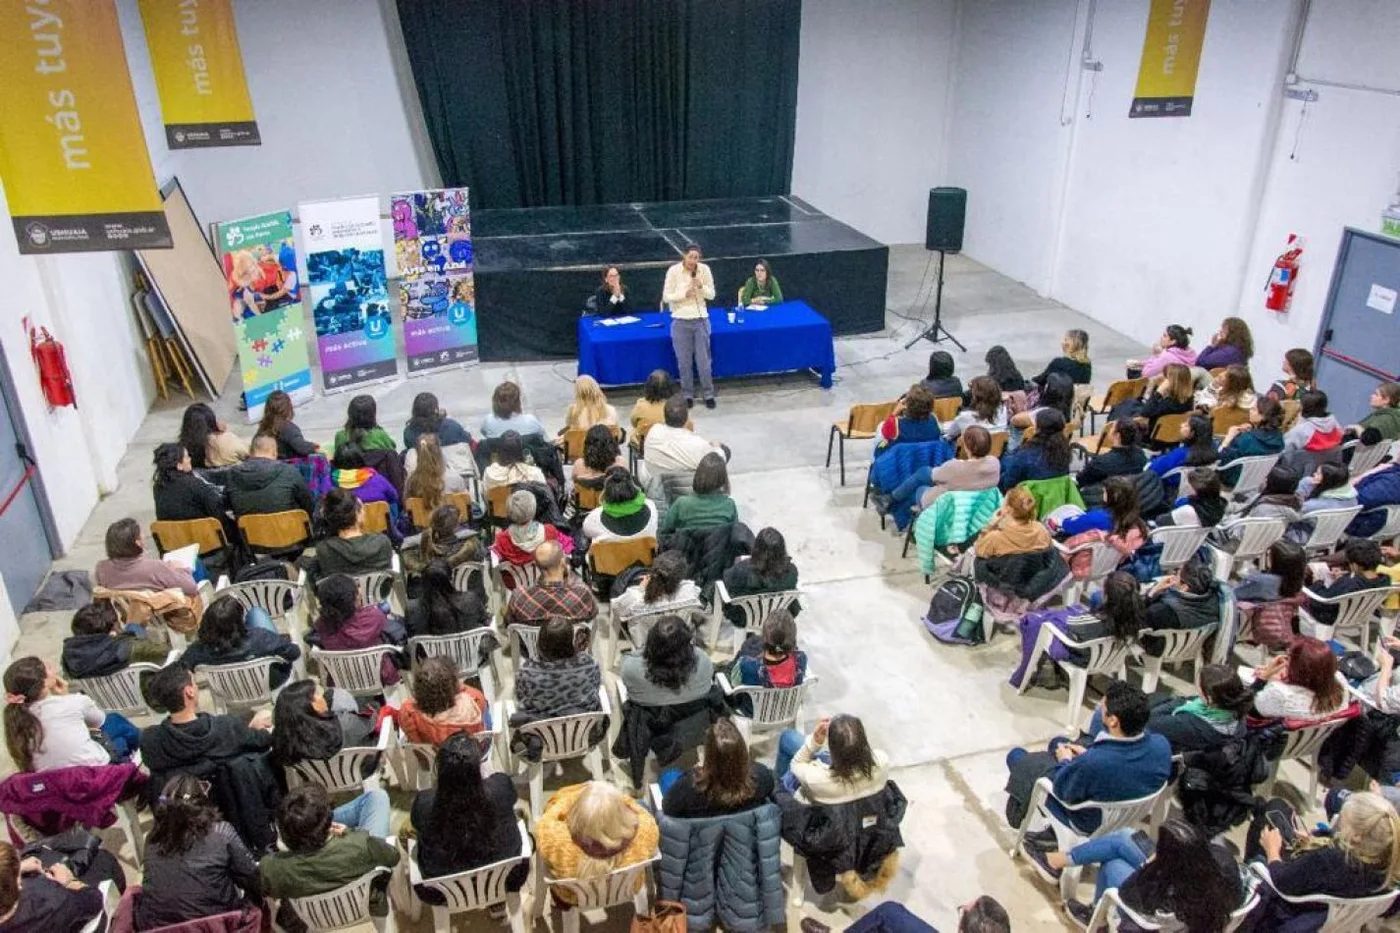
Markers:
{"x": 1278, "y": 293}
{"x": 54, "y": 377}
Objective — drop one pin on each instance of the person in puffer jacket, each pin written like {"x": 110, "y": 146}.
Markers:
{"x": 1316, "y": 431}
{"x": 100, "y": 646}
{"x": 1190, "y": 599}
{"x": 1374, "y": 489}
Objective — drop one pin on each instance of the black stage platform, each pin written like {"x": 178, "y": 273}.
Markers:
{"x": 536, "y": 267}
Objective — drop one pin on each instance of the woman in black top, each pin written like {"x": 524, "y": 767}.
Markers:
{"x": 1125, "y": 458}
{"x": 196, "y": 866}
{"x": 726, "y": 780}
{"x": 440, "y": 609}
{"x": 1075, "y": 362}
{"x": 940, "y": 380}
{"x": 180, "y": 495}
{"x": 611, "y": 297}
{"x": 311, "y": 724}
{"x": 38, "y": 900}
{"x": 277, "y": 422}
{"x": 466, "y": 821}
{"x": 767, "y": 570}
{"x": 225, "y": 637}
{"x": 1002, "y": 368}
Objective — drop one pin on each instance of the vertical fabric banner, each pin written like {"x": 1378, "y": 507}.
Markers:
{"x": 259, "y": 259}
{"x": 72, "y": 153}
{"x": 349, "y": 290}
{"x": 199, "y": 73}
{"x": 433, "y": 247}
{"x": 1171, "y": 56}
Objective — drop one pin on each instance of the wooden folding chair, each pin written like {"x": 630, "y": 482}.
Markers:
{"x": 860, "y": 425}
{"x": 610, "y": 558}
{"x": 421, "y": 515}
{"x": 946, "y": 409}
{"x": 1117, "y": 392}
{"x": 588, "y": 498}
{"x": 1167, "y": 430}
{"x": 496, "y": 504}
{"x": 276, "y": 532}
{"x": 1225, "y": 417}
{"x": 208, "y": 533}
{"x": 376, "y": 518}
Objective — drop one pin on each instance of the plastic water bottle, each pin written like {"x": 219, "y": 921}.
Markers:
{"x": 738, "y": 314}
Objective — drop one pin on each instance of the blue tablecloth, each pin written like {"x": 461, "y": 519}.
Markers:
{"x": 786, "y": 337}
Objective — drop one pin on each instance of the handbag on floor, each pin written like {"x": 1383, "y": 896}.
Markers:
{"x": 665, "y": 917}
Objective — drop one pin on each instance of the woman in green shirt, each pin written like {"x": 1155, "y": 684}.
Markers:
{"x": 362, "y": 427}
{"x": 709, "y": 505}
{"x": 762, "y": 287}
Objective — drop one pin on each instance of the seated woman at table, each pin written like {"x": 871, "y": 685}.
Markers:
{"x": 610, "y": 299}
{"x": 762, "y": 287}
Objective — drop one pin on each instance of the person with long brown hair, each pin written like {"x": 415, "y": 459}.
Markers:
{"x": 1232, "y": 345}
{"x": 1300, "y": 685}
{"x": 46, "y": 727}
{"x": 663, "y": 586}
{"x": 507, "y": 414}
{"x": 849, "y": 770}
{"x": 431, "y": 480}
{"x": 725, "y": 781}
{"x": 985, "y": 409}
{"x": 1261, "y": 437}
{"x": 277, "y": 423}
{"x": 1299, "y": 376}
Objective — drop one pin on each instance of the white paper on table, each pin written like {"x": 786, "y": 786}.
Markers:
{"x": 184, "y": 556}
{"x": 1381, "y": 298}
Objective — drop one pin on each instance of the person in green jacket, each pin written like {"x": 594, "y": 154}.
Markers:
{"x": 709, "y": 505}
{"x": 362, "y": 427}
{"x": 1383, "y": 423}
{"x": 762, "y": 287}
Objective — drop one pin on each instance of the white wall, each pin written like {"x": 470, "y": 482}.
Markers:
{"x": 872, "y": 94}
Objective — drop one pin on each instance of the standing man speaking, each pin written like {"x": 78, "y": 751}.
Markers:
{"x": 688, "y": 285}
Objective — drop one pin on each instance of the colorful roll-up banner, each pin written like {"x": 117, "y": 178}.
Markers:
{"x": 349, "y": 290}
{"x": 259, "y": 259}
{"x": 199, "y": 73}
{"x": 1171, "y": 57}
{"x": 72, "y": 153}
{"x": 437, "y": 295}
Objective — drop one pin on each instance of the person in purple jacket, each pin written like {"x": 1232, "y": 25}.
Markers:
{"x": 1232, "y": 345}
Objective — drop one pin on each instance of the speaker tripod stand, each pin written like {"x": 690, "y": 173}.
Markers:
{"x": 936, "y": 332}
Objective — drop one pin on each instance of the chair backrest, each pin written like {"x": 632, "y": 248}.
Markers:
{"x": 496, "y": 501}
{"x": 999, "y": 442}
{"x": 276, "y": 531}
{"x": 1305, "y": 741}
{"x": 1253, "y": 472}
{"x": 1106, "y": 655}
{"x": 375, "y": 519}
{"x": 614, "y": 888}
{"x": 421, "y": 515}
{"x": 639, "y": 434}
{"x": 1105, "y": 559}
{"x": 343, "y": 771}
{"x": 275, "y": 597}
{"x": 776, "y": 706}
{"x": 346, "y": 906}
{"x": 1179, "y": 543}
{"x": 866, "y": 417}
{"x": 760, "y": 606}
{"x": 478, "y": 888}
{"x": 1256, "y": 535}
{"x": 1167, "y": 429}
{"x": 1356, "y": 608}
{"x": 463, "y": 573}
{"x": 119, "y": 692}
{"x": 1291, "y": 410}
{"x": 1121, "y": 391}
{"x": 375, "y": 587}
{"x": 1225, "y": 417}
{"x": 946, "y": 409}
{"x": 610, "y": 558}
{"x": 464, "y": 648}
{"x": 241, "y": 685}
{"x": 563, "y": 737}
{"x": 1328, "y": 526}
{"x": 1120, "y": 814}
{"x": 208, "y": 533}
{"x": 1116, "y": 912}
{"x": 521, "y": 575}
{"x": 1366, "y": 456}
{"x": 1181, "y": 644}
{"x": 589, "y": 498}
{"x": 356, "y": 672}
{"x": 639, "y": 624}
{"x": 1391, "y": 528}
{"x": 1343, "y": 914}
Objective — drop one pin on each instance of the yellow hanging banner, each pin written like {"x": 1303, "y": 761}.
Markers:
{"x": 199, "y": 73}
{"x": 72, "y": 154}
{"x": 1171, "y": 56}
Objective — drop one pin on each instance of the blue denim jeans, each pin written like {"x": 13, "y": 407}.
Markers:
{"x": 369, "y": 812}
{"x": 789, "y": 744}
{"x": 258, "y": 618}
{"x": 890, "y": 917}
{"x": 1116, "y": 855}
{"x": 909, "y": 489}
{"x": 124, "y": 736}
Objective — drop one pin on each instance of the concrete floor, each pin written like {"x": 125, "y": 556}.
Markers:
{"x": 946, "y": 716}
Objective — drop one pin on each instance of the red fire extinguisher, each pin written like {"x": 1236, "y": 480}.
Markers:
{"x": 1278, "y": 293}
{"x": 54, "y": 377}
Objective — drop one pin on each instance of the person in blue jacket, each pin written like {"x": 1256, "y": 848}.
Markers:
{"x": 1197, "y": 448}
{"x": 1045, "y": 456}
{"x": 1379, "y": 487}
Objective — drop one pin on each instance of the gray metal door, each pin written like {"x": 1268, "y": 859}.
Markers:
{"x": 26, "y": 552}
{"x": 1358, "y": 342}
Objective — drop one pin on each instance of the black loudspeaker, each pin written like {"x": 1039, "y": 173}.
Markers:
{"x": 947, "y": 210}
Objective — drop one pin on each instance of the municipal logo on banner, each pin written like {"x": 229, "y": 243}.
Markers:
{"x": 437, "y": 293}
{"x": 1171, "y": 57}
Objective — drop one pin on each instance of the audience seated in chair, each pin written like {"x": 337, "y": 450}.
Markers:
{"x": 911, "y": 422}
{"x": 650, "y": 409}
{"x": 1359, "y": 857}
{"x": 1363, "y": 559}
{"x": 349, "y": 549}
{"x": 941, "y": 381}
{"x": 601, "y": 454}
{"x": 1197, "y": 448}
{"x": 431, "y": 479}
{"x": 1382, "y": 423}
{"x": 771, "y": 659}
{"x": 1124, "y": 458}
{"x": 1230, "y": 388}
{"x": 362, "y": 428}
{"x": 347, "y": 624}
{"x": 985, "y": 410}
{"x": 835, "y": 764}
{"x": 725, "y": 781}
{"x": 1117, "y": 523}
{"x": 625, "y": 514}
{"x": 230, "y": 634}
{"x": 1261, "y": 437}
{"x": 1187, "y": 599}
{"x": 1277, "y": 498}
{"x": 1002, "y": 368}
{"x": 708, "y": 505}
{"x": 441, "y": 705}
{"x": 1376, "y": 488}
{"x": 46, "y": 727}
{"x": 1173, "y": 347}
{"x": 1316, "y": 432}
{"x": 180, "y": 494}
{"x": 517, "y": 543}
{"x": 312, "y": 724}
{"x": 428, "y": 417}
{"x": 1118, "y": 615}
{"x": 1124, "y": 762}
{"x": 588, "y": 830}
{"x": 128, "y": 568}
{"x": 1329, "y": 487}
{"x": 440, "y": 608}
{"x": 277, "y": 425}
{"x": 1301, "y": 686}
{"x": 983, "y": 915}
{"x": 1044, "y": 456}
{"x": 352, "y": 473}
{"x": 102, "y": 646}
{"x": 328, "y": 848}
{"x": 509, "y": 466}
{"x": 1204, "y": 508}
{"x": 262, "y": 484}
{"x": 589, "y": 408}
{"x": 557, "y": 594}
{"x": 1210, "y": 720}
{"x": 443, "y": 539}
{"x": 208, "y": 440}
{"x": 1173, "y": 394}
{"x": 195, "y": 865}
{"x": 923, "y": 487}
{"x": 660, "y": 587}
{"x": 34, "y": 898}
{"x": 1013, "y": 529}
{"x": 1056, "y": 394}
{"x": 672, "y": 447}
{"x": 670, "y": 670}
{"x": 561, "y": 680}
{"x": 467, "y": 820}
{"x": 768, "y": 569}
{"x": 1232, "y": 345}
{"x": 507, "y": 415}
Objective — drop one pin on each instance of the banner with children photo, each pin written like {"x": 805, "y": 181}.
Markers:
{"x": 437, "y": 295}
{"x": 259, "y": 259}
{"x": 349, "y": 286}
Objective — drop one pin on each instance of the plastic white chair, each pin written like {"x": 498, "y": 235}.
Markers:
{"x": 1391, "y": 529}
{"x": 561, "y": 738}
{"x": 1328, "y": 525}
{"x": 630, "y": 885}
{"x": 1104, "y": 561}
{"x": 466, "y": 650}
{"x": 1354, "y": 610}
{"x": 121, "y": 692}
{"x": 477, "y": 889}
{"x": 1255, "y": 537}
{"x": 520, "y": 575}
{"x": 463, "y": 575}
{"x": 637, "y": 626}
{"x": 1302, "y": 743}
{"x": 524, "y": 640}
{"x": 1107, "y": 656}
{"x": 1111, "y": 912}
{"x": 1114, "y": 815}
{"x": 356, "y": 672}
{"x": 242, "y": 685}
{"x": 1179, "y": 544}
{"x": 1181, "y": 645}
{"x": 345, "y": 770}
{"x": 1253, "y": 472}
{"x": 415, "y": 763}
{"x": 774, "y": 708}
{"x": 1344, "y": 915}
{"x": 376, "y": 586}
{"x": 756, "y": 608}
{"x": 1365, "y": 456}
{"x": 346, "y": 906}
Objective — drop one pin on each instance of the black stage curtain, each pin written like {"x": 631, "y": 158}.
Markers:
{"x": 535, "y": 103}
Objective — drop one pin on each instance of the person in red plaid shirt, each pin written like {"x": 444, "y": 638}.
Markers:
{"x": 558, "y": 594}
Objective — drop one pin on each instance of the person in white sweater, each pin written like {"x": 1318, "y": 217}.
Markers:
{"x": 47, "y": 727}
{"x": 1301, "y": 685}
{"x": 835, "y": 764}
{"x": 626, "y": 513}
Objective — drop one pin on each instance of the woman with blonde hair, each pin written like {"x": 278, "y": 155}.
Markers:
{"x": 1173, "y": 394}
{"x": 431, "y": 480}
{"x": 588, "y": 830}
{"x": 589, "y": 407}
{"x": 1014, "y": 529}
{"x": 1074, "y": 363}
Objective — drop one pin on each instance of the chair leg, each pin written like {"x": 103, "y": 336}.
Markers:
{"x": 1069, "y": 881}
{"x": 799, "y": 880}
{"x": 571, "y": 920}
{"x": 442, "y": 920}
{"x": 830, "y": 442}
{"x": 1078, "y": 683}
{"x": 515, "y": 913}
{"x": 908, "y": 538}
{"x": 131, "y": 823}
{"x": 536, "y": 790}
{"x": 594, "y": 761}
{"x": 1151, "y": 673}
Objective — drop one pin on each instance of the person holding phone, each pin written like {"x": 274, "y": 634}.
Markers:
{"x": 52, "y": 898}
{"x": 689, "y": 284}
